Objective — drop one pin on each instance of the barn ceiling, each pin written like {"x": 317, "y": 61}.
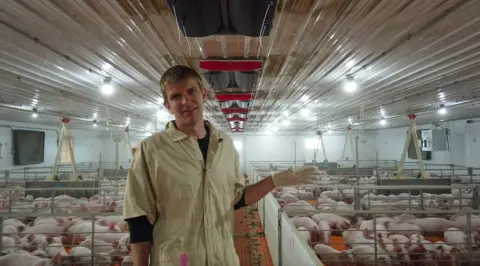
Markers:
{"x": 404, "y": 56}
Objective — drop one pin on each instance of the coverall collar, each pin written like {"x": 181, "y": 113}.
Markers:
{"x": 177, "y": 135}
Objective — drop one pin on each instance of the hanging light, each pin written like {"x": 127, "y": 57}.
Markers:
{"x": 107, "y": 86}
{"x": 442, "y": 110}
{"x": 350, "y": 84}
{"x": 383, "y": 122}
{"x": 94, "y": 123}
{"x": 34, "y": 114}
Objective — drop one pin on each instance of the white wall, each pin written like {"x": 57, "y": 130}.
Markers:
{"x": 290, "y": 147}
{"x": 90, "y": 146}
{"x": 463, "y": 138}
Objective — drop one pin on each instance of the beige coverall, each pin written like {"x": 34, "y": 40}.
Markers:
{"x": 189, "y": 201}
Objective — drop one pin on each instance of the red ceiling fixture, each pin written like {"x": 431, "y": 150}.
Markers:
{"x": 235, "y": 110}
{"x": 234, "y": 97}
{"x": 226, "y": 65}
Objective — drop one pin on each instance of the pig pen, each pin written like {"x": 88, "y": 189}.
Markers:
{"x": 63, "y": 225}
{"x": 355, "y": 223}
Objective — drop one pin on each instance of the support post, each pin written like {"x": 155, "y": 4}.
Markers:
{"x": 125, "y": 144}
{"x": 357, "y": 161}
{"x": 64, "y": 140}
{"x": 411, "y": 136}
{"x": 279, "y": 237}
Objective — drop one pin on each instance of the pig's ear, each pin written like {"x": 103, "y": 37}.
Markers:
{"x": 30, "y": 237}
{"x": 59, "y": 221}
{"x": 103, "y": 223}
{"x": 57, "y": 258}
{"x": 112, "y": 226}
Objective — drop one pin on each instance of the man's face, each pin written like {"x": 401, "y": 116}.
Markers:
{"x": 185, "y": 101}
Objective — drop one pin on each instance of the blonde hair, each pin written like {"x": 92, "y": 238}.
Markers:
{"x": 178, "y": 73}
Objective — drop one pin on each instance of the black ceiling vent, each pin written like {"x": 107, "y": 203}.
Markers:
{"x": 200, "y": 18}
{"x": 218, "y": 80}
{"x": 246, "y": 80}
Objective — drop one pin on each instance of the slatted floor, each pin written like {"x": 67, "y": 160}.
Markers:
{"x": 243, "y": 246}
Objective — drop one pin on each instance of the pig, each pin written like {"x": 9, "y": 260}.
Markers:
{"x": 456, "y": 238}
{"x": 365, "y": 255}
{"x": 296, "y": 207}
{"x": 432, "y": 224}
{"x": 336, "y": 222}
{"x": 81, "y": 256}
{"x": 403, "y": 228}
{"x": 127, "y": 261}
{"x": 98, "y": 245}
{"x": 333, "y": 257}
{"x": 324, "y": 232}
{"x": 46, "y": 229}
{"x": 8, "y": 242}
{"x": 28, "y": 259}
{"x": 304, "y": 234}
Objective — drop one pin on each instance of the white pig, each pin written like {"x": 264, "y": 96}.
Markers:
{"x": 333, "y": 257}
{"x": 28, "y": 259}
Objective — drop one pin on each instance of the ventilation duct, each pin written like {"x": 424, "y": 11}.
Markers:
{"x": 236, "y": 116}
{"x": 234, "y": 104}
{"x": 246, "y": 80}
{"x": 201, "y": 18}
{"x": 218, "y": 80}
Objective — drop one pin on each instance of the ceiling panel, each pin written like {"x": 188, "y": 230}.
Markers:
{"x": 404, "y": 56}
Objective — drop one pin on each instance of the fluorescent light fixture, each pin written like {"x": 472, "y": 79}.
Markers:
{"x": 383, "y": 122}
{"x": 382, "y": 112}
{"x": 350, "y": 63}
{"x": 149, "y": 103}
{"x": 305, "y": 112}
{"x": 94, "y": 124}
{"x": 350, "y": 120}
{"x": 95, "y": 115}
{"x": 285, "y": 122}
{"x": 106, "y": 66}
{"x": 107, "y": 86}
{"x": 304, "y": 98}
{"x": 34, "y": 115}
{"x": 442, "y": 111}
{"x": 286, "y": 113}
{"x": 350, "y": 84}
{"x": 441, "y": 95}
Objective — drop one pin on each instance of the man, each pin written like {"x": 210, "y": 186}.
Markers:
{"x": 184, "y": 182}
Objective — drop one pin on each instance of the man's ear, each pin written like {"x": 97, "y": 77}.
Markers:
{"x": 167, "y": 106}
{"x": 204, "y": 93}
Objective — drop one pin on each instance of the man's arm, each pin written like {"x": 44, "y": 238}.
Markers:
{"x": 141, "y": 238}
{"x": 257, "y": 191}
{"x": 139, "y": 208}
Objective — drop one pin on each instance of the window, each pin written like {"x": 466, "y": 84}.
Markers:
{"x": 64, "y": 154}
{"x": 311, "y": 144}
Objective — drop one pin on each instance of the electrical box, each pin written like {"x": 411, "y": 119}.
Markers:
{"x": 439, "y": 140}
{"x": 426, "y": 144}
{"x": 412, "y": 154}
